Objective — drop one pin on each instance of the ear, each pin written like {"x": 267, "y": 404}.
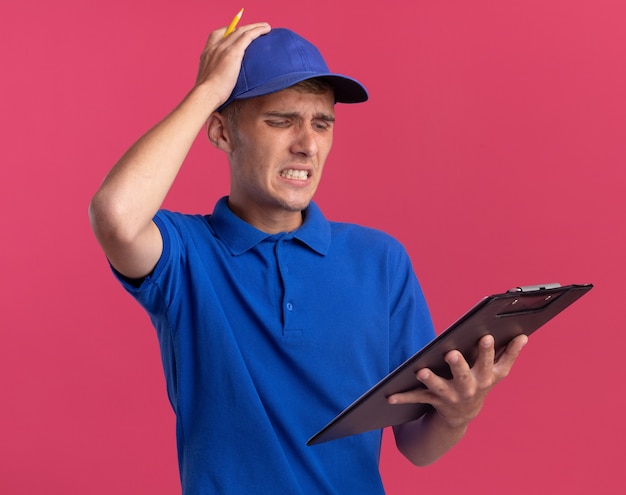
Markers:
{"x": 218, "y": 133}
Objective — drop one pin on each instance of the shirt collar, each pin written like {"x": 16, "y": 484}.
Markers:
{"x": 239, "y": 236}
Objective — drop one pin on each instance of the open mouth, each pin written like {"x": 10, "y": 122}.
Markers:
{"x": 295, "y": 174}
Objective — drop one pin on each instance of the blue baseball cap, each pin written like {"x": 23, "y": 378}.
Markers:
{"x": 280, "y": 59}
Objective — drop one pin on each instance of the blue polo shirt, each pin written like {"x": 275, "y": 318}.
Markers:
{"x": 265, "y": 338}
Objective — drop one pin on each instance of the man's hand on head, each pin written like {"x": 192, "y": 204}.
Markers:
{"x": 221, "y": 58}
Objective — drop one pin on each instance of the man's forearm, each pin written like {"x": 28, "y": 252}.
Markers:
{"x": 135, "y": 188}
{"x": 425, "y": 440}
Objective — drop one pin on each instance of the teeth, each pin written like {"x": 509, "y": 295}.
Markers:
{"x": 294, "y": 174}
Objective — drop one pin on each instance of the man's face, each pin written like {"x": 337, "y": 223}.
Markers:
{"x": 277, "y": 156}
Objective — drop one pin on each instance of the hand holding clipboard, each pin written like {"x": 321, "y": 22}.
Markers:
{"x": 505, "y": 316}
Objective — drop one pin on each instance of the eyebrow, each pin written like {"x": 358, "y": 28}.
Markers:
{"x": 295, "y": 115}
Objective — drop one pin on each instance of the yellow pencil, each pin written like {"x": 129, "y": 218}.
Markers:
{"x": 233, "y": 23}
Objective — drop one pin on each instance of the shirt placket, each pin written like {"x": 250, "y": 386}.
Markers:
{"x": 291, "y": 332}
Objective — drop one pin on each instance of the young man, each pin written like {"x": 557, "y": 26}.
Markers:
{"x": 270, "y": 318}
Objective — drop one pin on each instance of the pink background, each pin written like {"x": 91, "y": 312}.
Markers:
{"x": 493, "y": 147}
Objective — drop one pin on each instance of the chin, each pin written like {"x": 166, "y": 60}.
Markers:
{"x": 296, "y": 205}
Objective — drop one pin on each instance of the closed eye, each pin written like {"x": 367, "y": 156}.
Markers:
{"x": 278, "y": 123}
{"x": 320, "y": 122}
{"x": 322, "y": 125}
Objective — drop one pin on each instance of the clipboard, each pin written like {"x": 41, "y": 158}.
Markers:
{"x": 505, "y": 316}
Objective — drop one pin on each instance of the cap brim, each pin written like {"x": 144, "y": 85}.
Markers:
{"x": 346, "y": 89}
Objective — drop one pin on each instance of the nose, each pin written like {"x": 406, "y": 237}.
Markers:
{"x": 305, "y": 141}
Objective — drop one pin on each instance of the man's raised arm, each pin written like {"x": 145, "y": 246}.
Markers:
{"x": 122, "y": 209}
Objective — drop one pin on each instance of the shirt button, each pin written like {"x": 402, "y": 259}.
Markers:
{"x": 289, "y": 306}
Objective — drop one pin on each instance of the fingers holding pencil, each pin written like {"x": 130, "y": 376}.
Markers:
{"x": 243, "y": 29}
{"x": 228, "y": 32}
{"x": 223, "y": 53}
{"x": 252, "y": 28}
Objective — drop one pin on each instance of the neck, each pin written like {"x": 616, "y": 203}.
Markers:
{"x": 268, "y": 221}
